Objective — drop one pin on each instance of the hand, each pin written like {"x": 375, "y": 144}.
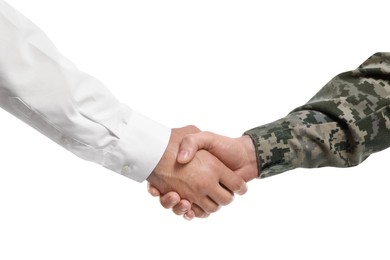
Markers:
{"x": 237, "y": 153}
{"x": 205, "y": 182}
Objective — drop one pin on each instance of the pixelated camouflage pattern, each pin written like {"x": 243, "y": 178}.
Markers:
{"x": 345, "y": 122}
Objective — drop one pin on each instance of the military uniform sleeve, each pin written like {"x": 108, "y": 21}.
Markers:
{"x": 343, "y": 124}
{"x": 45, "y": 90}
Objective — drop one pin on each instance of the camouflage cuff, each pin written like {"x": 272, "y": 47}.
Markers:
{"x": 306, "y": 139}
{"x": 273, "y": 155}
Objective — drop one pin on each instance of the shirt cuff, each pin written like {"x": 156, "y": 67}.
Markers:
{"x": 139, "y": 149}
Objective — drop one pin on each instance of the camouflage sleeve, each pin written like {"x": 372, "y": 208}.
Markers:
{"x": 345, "y": 122}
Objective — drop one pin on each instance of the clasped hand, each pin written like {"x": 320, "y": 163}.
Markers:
{"x": 201, "y": 171}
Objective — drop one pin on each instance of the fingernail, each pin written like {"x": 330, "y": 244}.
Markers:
{"x": 187, "y": 217}
{"x": 173, "y": 201}
{"x": 243, "y": 189}
{"x": 183, "y": 155}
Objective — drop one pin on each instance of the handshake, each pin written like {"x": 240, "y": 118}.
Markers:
{"x": 201, "y": 171}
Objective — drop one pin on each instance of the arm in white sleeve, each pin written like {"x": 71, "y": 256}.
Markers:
{"x": 46, "y": 91}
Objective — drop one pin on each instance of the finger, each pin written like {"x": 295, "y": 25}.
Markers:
{"x": 182, "y": 207}
{"x": 221, "y": 196}
{"x": 228, "y": 183}
{"x": 190, "y": 215}
{"x": 208, "y": 205}
{"x": 191, "y": 144}
{"x": 233, "y": 183}
{"x": 169, "y": 200}
{"x": 153, "y": 190}
{"x": 199, "y": 212}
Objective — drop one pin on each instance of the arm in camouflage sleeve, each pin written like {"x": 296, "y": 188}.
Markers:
{"x": 345, "y": 122}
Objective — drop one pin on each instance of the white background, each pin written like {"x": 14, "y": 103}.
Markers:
{"x": 225, "y": 66}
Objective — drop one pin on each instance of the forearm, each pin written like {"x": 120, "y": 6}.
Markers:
{"x": 45, "y": 90}
{"x": 345, "y": 122}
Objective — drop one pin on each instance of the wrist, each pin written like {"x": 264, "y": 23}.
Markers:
{"x": 250, "y": 150}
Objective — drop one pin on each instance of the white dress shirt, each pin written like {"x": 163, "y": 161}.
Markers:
{"x": 46, "y": 91}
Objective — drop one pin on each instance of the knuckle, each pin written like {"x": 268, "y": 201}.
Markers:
{"x": 193, "y": 128}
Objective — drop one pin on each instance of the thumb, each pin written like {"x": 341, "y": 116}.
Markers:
{"x": 191, "y": 143}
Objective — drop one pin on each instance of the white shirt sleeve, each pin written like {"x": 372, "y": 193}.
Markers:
{"x": 45, "y": 90}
